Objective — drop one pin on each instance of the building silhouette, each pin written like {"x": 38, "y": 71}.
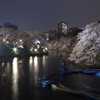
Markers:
{"x": 62, "y": 28}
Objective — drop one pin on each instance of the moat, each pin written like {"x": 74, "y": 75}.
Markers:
{"x": 22, "y": 74}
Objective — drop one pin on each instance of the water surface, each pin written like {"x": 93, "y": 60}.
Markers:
{"x": 18, "y": 78}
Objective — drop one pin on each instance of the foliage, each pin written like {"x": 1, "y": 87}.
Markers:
{"x": 58, "y": 35}
{"x": 73, "y": 33}
{"x": 4, "y": 50}
{"x": 97, "y": 57}
{"x": 15, "y": 52}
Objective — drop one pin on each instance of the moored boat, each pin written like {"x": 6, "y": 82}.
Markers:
{"x": 62, "y": 69}
{"x": 97, "y": 74}
{"x": 64, "y": 73}
{"x": 43, "y": 78}
{"x": 96, "y": 70}
{"x": 88, "y": 72}
{"x": 75, "y": 92}
{"x": 46, "y": 83}
{"x": 92, "y": 89}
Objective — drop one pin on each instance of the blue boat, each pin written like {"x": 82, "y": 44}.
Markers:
{"x": 97, "y": 74}
{"x": 43, "y": 78}
{"x": 96, "y": 70}
{"x": 62, "y": 69}
{"x": 88, "y": 72}
{"x": 92, "y": 89}
{"x": 74, "y": 92}
{"x": 46, "y": 83}
{"x": 62, "y": 73}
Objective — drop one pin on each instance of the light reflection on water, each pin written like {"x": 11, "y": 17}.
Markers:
{"x": 31, "y": 70}
{"x": 36, "y": 64}
{"x": 15, "y": 78}
{"x": 44, "y": 61}
{"x": 31, "y": 61}
{"x": 22, "y": 74}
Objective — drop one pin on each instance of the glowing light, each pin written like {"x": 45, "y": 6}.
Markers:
{"x": 15, "y": 65}
{"x": 43, "y": 49}
{"x": 15, "y": 78}
{"x": 30, "y": 61}
{"x": 36, "y": 68}
{"x": 21, "y": 46}
{"x": 47, "y": 39}
{"x": 35, "y": 49}
{"x": 35, "y": 60}
{"x": 4, "y": 40}
{"x": 37, "y": 41}
{"x": 3, "y": 64}
{"x": 35, "y": 64}
{"x": 20, "y": 40}
{"x": 46, "y": 48}
{"x": 44, "y": 61}
{"x": 31, "y": 49}
{"x": 15, "y": 49}
{"x": 7, "y": 42}
{"x": 98, "y": 74}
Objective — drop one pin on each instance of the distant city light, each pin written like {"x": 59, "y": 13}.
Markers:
{"x": 81, "y": 28}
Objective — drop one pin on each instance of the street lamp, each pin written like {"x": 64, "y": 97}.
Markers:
{"x": 14, "y": 49}
{"x": 35, "y": 49}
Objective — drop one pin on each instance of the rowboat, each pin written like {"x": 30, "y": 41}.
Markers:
{"x": 96, "y": 70}
{"x": 97, "y": 74}
{"x": 92, "y": 89}
{"x": 46, "y": 76}
{"x": 74, "y": 92}
{"x": 46, "y": 83}
{"x": 62, "y": 69}
{"x": 43, "y": 78}
{"x": 88, "y": 72}
{"x": 76, "y": 71}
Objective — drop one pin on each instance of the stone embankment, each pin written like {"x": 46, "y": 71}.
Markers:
{"x": 63, "y": 44}
{"x": 87, "y": 49}
{"x": 84, "y": 47}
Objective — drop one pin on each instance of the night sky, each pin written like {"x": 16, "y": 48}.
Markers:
{"x": 41, "y": 15}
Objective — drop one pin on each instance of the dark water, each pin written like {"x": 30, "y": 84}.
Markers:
{"x": 18, "y": 78}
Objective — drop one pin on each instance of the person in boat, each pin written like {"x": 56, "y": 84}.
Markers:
{"x": 63, "y": 63}
{"x": 63, "y": 66}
